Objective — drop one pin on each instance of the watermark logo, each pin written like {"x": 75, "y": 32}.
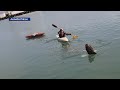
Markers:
{"x": 19, "y": 19}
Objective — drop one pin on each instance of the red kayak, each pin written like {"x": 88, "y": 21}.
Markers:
{"x": 35, "y": 35}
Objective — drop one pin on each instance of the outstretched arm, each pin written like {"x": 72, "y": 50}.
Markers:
{"x": 68, "y": 33}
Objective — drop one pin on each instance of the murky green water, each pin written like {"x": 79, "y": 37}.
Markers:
{"x": 46, "y": 58}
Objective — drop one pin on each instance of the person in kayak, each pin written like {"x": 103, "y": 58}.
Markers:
{"x": 62, "y": 33}
{"x": 89, "y": 49}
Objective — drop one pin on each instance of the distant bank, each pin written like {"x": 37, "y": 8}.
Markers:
{"x": 11, "y": 14}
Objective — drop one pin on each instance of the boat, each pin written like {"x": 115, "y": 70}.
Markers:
{"x": 64, "y": 39}
{"x": 35, "y": 35}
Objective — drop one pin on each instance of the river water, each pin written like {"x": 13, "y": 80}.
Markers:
{"x": 47, "y": 58}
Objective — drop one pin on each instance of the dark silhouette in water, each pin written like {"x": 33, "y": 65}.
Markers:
{"x": 89, "y": 49}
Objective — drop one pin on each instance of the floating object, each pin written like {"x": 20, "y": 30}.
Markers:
{"x": 35, "y": 35}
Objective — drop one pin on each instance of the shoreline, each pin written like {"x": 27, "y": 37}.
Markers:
{"x": 17, "y": 14}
